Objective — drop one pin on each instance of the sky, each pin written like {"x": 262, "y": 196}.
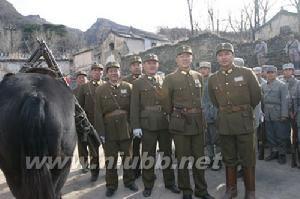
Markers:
{"x": 144, "y": 14}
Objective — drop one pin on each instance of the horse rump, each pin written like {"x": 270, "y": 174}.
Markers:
{"x": 39, "y": 118}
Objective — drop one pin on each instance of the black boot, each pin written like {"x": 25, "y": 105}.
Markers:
{"x": 261, "y": 152}
{"x": 282, "y": 159}
{"x": 272, "y": 156}
{"x": 173, "y": 189}
{"x": 110, "y": 192}
{"x": 147, "y": 192}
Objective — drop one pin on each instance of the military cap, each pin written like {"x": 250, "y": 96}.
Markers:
{"x": 204, "y": 64}
{"x": 184, "y": 49}
{"x": 224, "y": 46}
{"x": 239, "y": 61}
{"x": 112, "y": 64}
{"x": 96, "y": 66}
{"x": 81, "y": 73}
{"x": 271, "y": 68}
{"x": 135, "y": 58}
{"x": 257, "y": 70}
{"x": 264, "y": 67}
{"x": 151, "y": 57}
{"x": 288, "y": 66}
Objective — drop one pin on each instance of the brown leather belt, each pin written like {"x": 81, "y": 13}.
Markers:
{"x": 157, "y": 108}
{"x": 115, "y": 113}
{"x": 232, "y": 108}
{"x": 188, "y": 110}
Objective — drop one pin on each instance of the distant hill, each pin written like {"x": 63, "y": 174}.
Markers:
{"x": 102, "y": 27}
{"x": 61, "y": 39}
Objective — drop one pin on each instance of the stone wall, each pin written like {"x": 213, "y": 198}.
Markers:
{"x": 203, "y": 47}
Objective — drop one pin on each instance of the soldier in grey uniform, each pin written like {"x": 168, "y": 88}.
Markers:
{"x": 210, "y": 114}
{"x": 275, "y": 103}
{"x": 289, "y": 78}
{"x": 239, "y": 61}
{"x": 261, "y": 50}
{"x": 258, "y": 114}
{"x": 292, "y": 49}
{"x": 296, "y": 103}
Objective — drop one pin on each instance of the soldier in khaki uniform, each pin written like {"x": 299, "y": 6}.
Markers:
{"x": 182, "y": 92}
{"x": 149, "y": 121}
{"x": 136, "y": 72}
{"x": 86, "y": 99}
{"x": 83, "y": 153}
{"x": 235, "y": 91}
{"x": 81, "y": 78}
{"x": 112, "y": 121}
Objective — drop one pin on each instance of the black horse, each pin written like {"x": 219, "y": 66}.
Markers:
{"x": 37, "y": 134}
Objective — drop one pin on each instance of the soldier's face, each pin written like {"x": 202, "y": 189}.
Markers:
{"x": 184, "y": 61}
{"x": 81, "y": 79}
{"x": 150, "y": 67}
{"x": 113, "y": 74}
{"x": 271, "y": 75}
{"x": 288, "y": 72}
{"x": 225, "y": 58}
{"x": 204, "y": 71}
{"x": 136, "y": 68}
{"x": 96, "y": 74}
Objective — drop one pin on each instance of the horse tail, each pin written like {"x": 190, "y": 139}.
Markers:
{"x": 36, "y": 176}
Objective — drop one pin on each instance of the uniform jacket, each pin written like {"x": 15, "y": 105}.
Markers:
{"x": 112, "y": 111}
{"x": 146, "y": 105}
{"x": 131, "y": 78}
{"x": 86, "y": 98}
{"x": 235, "y": 94}
{"x": 275, "y": 100}
{"x": 183, "y": 92}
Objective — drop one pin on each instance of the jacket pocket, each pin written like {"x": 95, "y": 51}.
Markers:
{"x": 248, "y": 119}
{"x": 177, "y": 123}
{"x": 144, "y": 120}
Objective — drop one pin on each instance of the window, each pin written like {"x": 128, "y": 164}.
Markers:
{"x": 112, "y": 46}
{"x": 153, "y": 44}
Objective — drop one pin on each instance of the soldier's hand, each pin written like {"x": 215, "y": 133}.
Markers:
{"x": 137, "y": 133}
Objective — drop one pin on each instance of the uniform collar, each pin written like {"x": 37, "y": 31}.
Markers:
{"x": 114, "y": 86}
{"x": 187, "y": 73}
{"x": 229, "y": 71}
{"x": 96, "y": 83}
{"x": 136, "y": 76}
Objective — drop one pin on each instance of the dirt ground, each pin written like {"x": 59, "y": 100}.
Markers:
{"x": 273, "y": 181}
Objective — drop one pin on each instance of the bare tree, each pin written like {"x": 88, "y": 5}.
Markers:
{"x": 249, "y": 11}
{"x": 190, "y": 7}
{"x": 296, "y": 4}
{"x": 211, "y": 17}
{"x": 264, "y": 7}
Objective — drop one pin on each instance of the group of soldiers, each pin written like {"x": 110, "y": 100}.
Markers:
{"x": 291, "y": 49}
{"x": 194, "y": 109}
